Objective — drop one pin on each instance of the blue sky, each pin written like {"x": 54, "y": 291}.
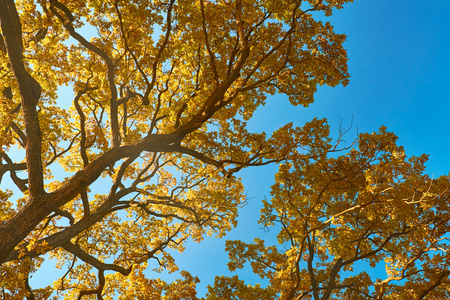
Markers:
{"x": 399, "y": 65}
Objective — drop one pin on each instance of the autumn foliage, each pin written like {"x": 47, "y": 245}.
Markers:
{"x": 145, "y": 155}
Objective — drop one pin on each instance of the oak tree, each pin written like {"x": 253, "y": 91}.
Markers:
{"x": 144, "y": 155}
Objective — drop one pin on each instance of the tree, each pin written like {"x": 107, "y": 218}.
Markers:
{"x": 146, "y": 153}
{"x": 341, "y": 216}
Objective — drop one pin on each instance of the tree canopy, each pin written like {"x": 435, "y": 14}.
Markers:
{"x": 146, "y": 156}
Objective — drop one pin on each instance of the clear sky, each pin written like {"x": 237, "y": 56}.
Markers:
{"x": 399, "y": 64}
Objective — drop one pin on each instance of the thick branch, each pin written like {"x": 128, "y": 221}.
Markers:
{"x": 58, "y": 239}
{"x": 30, "y": 91}
{"x": 332, "y": 277}
{"x": 438, "y": 282}
{"x": 16, "y": 229}
{"x": 312, "y": 276}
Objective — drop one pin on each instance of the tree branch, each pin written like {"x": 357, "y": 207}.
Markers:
{"x": 212, "y": 58}
{"x": 87, "y": 258}
{"x": 67, "y": 23}
{"x": 30, "y": 91}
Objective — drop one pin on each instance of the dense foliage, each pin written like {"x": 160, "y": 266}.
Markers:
{"x": 144, "y": 156}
